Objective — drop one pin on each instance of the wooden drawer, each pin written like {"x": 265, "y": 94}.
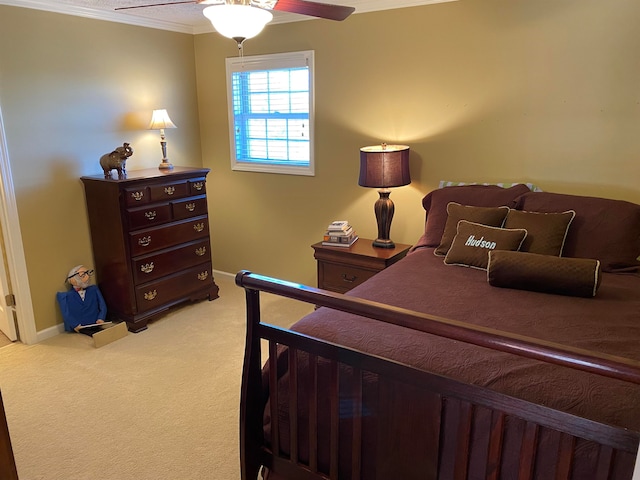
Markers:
{"x": 197, "y": 186}
{"x": 341, "y": 278}
{"x": 155, "y": 294}
{"x": 150, "y": 240}
{"x": 148, "y": 216}
{"x": 189, "y": 207}
{"x": 154, "y": 266}
{"x": 169, "y": 191}
{"x": 136, "y": 196}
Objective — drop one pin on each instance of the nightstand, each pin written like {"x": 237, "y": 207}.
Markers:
{"x": 340, "y": 268}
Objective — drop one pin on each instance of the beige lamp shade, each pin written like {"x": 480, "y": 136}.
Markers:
{"x": 160, "y": 120}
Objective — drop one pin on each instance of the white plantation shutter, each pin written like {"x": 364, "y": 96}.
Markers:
{"x": 271, "y": 112}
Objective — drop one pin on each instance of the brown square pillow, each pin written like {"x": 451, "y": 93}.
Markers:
{"x": 491, "y": 216}
{"x": 473, "y": 242}
{"x": 604, "y": 229}
{"x": 578, "y": 277}
{"x": 435, "y": 204}
{"x": 546, "y": 232}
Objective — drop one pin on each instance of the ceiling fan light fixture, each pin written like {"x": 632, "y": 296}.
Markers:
{"x": 237, "y": 21}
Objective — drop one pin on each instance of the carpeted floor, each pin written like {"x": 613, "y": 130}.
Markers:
{"x": 160, "y": 404}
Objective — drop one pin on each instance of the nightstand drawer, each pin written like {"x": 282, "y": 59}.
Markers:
{"x": 341, "y": 278}
{"x": 340, "y": 268}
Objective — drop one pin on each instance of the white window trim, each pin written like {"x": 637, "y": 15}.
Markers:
{"x": 266, "y": 62}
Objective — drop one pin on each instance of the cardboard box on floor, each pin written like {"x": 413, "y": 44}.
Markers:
{"x": 110, "y": 334}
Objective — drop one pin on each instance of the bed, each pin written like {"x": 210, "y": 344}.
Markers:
{"x": 485, "y": 353}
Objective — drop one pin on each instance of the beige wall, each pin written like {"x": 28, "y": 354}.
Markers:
{"x": 545, "y": 91}
{"x": 72, "y": 89}
{"x": 541, "y": 91}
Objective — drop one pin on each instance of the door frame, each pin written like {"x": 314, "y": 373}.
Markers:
{"x": 12, "y": 239}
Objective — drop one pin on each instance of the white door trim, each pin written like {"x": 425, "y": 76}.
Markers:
{"x": 12, "y": 237}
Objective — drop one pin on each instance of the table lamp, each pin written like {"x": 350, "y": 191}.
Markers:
{"x": 159, "y": 121}
{"x": 384, "y": 166}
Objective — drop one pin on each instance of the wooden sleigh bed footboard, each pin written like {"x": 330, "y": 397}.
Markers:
{"x": 346, "y": 414}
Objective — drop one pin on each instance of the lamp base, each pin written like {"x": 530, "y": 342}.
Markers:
{"x": 382, "y": 243}
{"x": 384, "y": 214}
{"x": 165, "y": 165}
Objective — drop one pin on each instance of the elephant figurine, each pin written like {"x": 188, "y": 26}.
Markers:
{"x": 116, "y": 160}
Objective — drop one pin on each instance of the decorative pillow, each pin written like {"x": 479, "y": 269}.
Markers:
{"x": 603, "y": 229}
{"x": 490, "y": 216}
{"x": 546, "y": 232}
{"x": 435, "y": 203}
{"x": 473, "y": 242}
{"x": 578, "y": 277}
{"x": 447, "y": 183}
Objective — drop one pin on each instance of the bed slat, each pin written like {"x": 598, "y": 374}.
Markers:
{"x": 356, "y": 415}
{"x": 494, "y": 455}
{"x": 565, "y": 455}
{"x": 273, "y": 392}
{"x": 528, "y": 451}
{"x": 293, "y": 404}
{"x": 335, "y": 410}
{"x": 313, "y": 412}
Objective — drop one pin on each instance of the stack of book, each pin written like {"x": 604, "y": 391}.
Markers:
{"x": 339, "y": 234}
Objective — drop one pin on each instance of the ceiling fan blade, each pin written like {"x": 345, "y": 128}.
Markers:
{"x": 314, "y": 9}
{"x": 155, "y": 5}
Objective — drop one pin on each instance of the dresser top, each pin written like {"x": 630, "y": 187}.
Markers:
{"x": 149, "y": 174}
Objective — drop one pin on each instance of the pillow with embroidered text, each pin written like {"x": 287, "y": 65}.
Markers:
{"x": 435, "y": 204}
{"x": 473, "y": 242}
{"x": 491, "y": 216}
{"x": 546, "y": 232}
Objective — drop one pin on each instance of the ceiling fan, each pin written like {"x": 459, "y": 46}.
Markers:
{"x": 242, "y": 19}
{"x": 303, "y": 7}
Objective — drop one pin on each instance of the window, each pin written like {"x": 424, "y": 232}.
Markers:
{"x": 270, "y": 101}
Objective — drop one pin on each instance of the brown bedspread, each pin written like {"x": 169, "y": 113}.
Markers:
{"x": 608, "y": 323}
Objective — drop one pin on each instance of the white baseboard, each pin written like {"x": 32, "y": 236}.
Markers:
{"x": 49, "y": 332}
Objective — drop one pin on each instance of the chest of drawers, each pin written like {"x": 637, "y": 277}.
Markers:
{"x": 150, "y": 239}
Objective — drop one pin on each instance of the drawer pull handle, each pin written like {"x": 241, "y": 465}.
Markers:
{"x": 201, "y": 251}
{"x": 198, "y": 227}
{"x": 150, "y": 215}
{"x": 169, "y": 190}
{"x": 198, "y": 185}
{"x": 348, "y": 278}
{"x": 144, "y": 241}
{"x": 203, "y": 276}
{"x": 147, "y": 267}
{"x": 137, "y": 196}
{"x": 190, "y": 206}
{"x": 151, "y": 295}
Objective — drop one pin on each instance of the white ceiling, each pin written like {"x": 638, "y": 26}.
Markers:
{"x": 186, "y": 18}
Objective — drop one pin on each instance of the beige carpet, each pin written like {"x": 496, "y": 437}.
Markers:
{"x": 160, "y": 404}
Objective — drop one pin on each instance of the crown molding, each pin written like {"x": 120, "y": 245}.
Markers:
{"x": 101, "y": 15}
{"x": 362, "y": 6}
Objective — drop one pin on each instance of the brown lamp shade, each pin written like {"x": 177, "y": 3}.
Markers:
{"x": 383, "y": 166}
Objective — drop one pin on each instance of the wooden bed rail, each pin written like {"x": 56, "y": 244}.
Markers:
{"x": 606, "y": 365}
